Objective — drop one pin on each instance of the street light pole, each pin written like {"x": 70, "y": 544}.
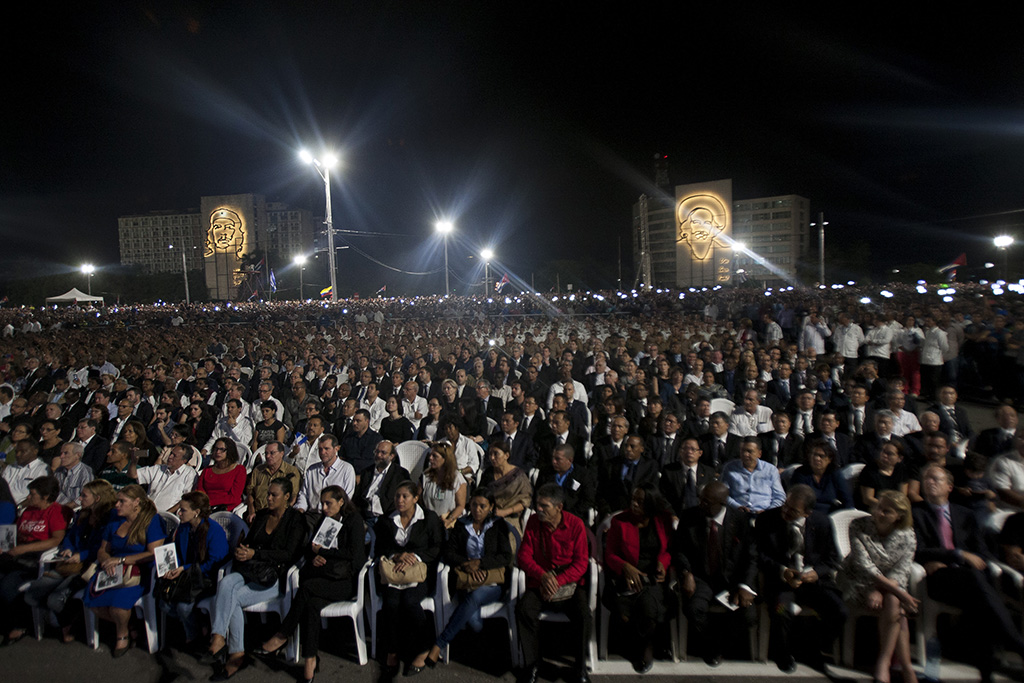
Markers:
{"x": 487, "y": 255}
{"x": 184, "y": 273}
{"x": 821, "y": 246}
{"x": 445, "y": 227}
{"x": 88, "y": 269}
{"x": 1003, "y": 243}
{"x": 300, "y": 261}
{"x": 324, "y": 169}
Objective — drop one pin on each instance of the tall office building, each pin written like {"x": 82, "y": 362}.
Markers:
{"x": 692, "y": 239}
{"x": 215, "y": 238}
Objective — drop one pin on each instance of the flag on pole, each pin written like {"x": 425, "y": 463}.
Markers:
{"x": 950, "y": 269}
{"x": 326, "y": 291}
{"x": 273, "y": 281}
{"x": 258, "y": 267}
{"x": 381, "y": 290}
{"x": 501, "y": 283}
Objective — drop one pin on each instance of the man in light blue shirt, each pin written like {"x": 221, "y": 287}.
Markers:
{"x": 754, "y": 485}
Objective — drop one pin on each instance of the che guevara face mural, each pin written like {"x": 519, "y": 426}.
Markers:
{"x": 226, "y": 234}
{"x": 701, "y": 219}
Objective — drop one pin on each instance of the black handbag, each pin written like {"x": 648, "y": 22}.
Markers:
{"x": 260, "y": 572}
{"x": 188, "y": 586}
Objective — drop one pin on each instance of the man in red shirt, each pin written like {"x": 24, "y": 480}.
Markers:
{"x": 553, "y": 555}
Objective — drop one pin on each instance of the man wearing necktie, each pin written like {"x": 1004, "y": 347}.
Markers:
{"x": 952, "y": 550}
{"x": 682, "y": 481}
{"x": 622, "y": 474}
{"x": 799, "y": 562}
{"x": 713, "y": 554}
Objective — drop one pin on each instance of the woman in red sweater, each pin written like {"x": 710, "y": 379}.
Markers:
{"x": 224, "y": 480}
{"x": 637, "y": 559}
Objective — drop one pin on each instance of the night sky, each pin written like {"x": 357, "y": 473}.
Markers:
{"x": 532, "y": 126}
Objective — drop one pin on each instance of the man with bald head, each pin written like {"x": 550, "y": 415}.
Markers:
{"x": 712, "y": 553}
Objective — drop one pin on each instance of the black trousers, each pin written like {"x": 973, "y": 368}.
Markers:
{"x": 824, "y": 599}
{"x": 645, "y": 611}
{"x": 577, "y": 608}
{"x": 402, "y": 620}
{"x": 314, "y": 594}
{"x": 697, "y": 609}
{"x": 987, "y": 621}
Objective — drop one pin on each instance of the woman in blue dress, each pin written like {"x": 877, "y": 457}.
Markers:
{"x": 128, "y": 544}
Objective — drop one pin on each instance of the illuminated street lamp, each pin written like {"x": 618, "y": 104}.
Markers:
{"x": 445, "y": 228}
{"x": 1003, "y": 243}
{"x": 88, "y": 269}
{"x": 300, "y": 261}
{"x": 323, "y": 167}
{"x": 487, "y": 255}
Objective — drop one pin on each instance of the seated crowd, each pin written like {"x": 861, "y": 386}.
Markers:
{"x": 696, "y": 460}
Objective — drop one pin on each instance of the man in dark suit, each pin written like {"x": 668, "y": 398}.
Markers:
{"x": 805, "y": 414}
{"x": 522, "y": 452}
{"x": 606, "y": 448}
{"x": 377, "y": 485}
{"x": 713, "y": 552}
{"x": 619, "y": 476}
{"x": 869, "y": 444}
{"x": 842, "y": 444}
{"x": 699, "y": 423}
{"x": 858, "y": 416}
{"x": 683, "y": 480}
{"x": 998, "y": 440}
{"x": 718, "y": 446}
{"x": 490, "y": 406}
{"x": 799, "y": 561}
{"x": 94, "y": 446}
{"x": 781, "y": 447}
{"x": 533, "y": 423}
{"x": 781, "y": 390}
{"x": 577, "y": 481}
{"x": 663, "y": 446}
{"x": 953, "y": 419}
{"x": 953, "y": 552}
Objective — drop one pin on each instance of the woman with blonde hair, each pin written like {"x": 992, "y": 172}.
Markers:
{"x": 129, "y": 540}
{"x": 876, "y": 575}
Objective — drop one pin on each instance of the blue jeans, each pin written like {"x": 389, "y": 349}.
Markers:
{"x": 233, "y": 595}
{"x": 468, "y": 612}
{"x": 183, "y": 612}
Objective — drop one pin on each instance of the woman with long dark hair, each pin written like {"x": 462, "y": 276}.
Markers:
{"x": 329, "y": 575}
{"x": 478, "y": 544}
{"x": 224, "y": 480}
{"x": 260, "y": 565}
{"x": 202, "y": 547}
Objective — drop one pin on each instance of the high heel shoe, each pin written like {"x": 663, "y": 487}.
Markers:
{"x": 118, "y": 652}
{"x": 223, "y": 674}
{"x": 211, "y": 658}
{"x": 260, "y": 652}
{"x": 315, "y": 671}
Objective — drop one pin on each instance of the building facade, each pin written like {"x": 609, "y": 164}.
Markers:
{"x": 702, "y": 237}
{"x": 216, "y": 238}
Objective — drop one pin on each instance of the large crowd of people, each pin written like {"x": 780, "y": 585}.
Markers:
{"x": 698, "y": 451}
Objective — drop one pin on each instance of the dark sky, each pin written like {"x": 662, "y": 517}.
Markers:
{"x": 531, "y": 125}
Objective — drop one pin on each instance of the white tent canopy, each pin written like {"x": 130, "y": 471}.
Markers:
{"x": 73, "y": 296}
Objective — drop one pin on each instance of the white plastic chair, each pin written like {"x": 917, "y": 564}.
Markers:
{"x": 492, "y": 426}
{"x": 558, "y": 617}
{"x": 722, "y": 405}
{"x": 499, "y": 609}
{"x": 348, "y": 609}
{"x": 851, "y": 473}
{"x": 245, "y": 458}
{"x": 412, "y": 455}
{"x": 786, "y": 474}
{"x": 431, "y": 603}
{"x": 280, "y": 605}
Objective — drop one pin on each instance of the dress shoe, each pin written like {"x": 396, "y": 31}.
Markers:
{"x": 714, "y": 661}
{"x": 787, "y": 665}
{"x": 582, "y": 677}
{"x": 528, "y": 675}
{"x": 260, "y": 652}
{"x": 411, "y": 670}
{"x": 211, "y": 658}
{"x": 642, "y": 666}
